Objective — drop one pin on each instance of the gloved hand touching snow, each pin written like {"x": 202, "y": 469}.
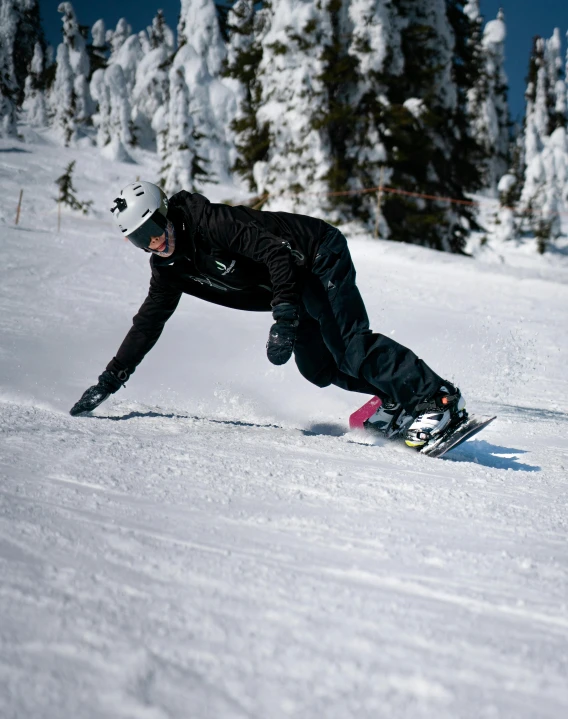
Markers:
{"x": 283, "y": 332}
{"x": 109, "y": 382}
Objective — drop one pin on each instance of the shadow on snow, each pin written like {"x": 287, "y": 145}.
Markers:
{"x": 481, "y": 452}
{"x": 476, "y": 451}
{"x": 14, "y": 149}
{"x": 331, "y": 430}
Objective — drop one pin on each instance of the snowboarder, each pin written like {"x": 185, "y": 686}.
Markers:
{"x": 295, "y": 266}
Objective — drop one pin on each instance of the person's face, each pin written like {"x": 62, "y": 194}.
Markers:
{"x": 158, "y": 243}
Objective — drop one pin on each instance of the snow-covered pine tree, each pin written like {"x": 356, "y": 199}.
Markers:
{"x": 245, "y": 26}
{"x": 34, "y": 96}
{"x": 181, "y": 167}
{"x": 20, "y": 30}
{"x": 75, "y": 41}
{"x": 487, "y": 96}
{"x": 420, "y": 100}
{"x": 98, "y": 49}
{"x": 159, "y": 33}
{"x": 8, "y": 84}
{"x": 375, "y": 44}
{"x": 545, "y": 190}
{"x": 113, "y": 116}
{"x": 468, "y": 152}
{"x": 117, "y": 37}
{"x": 62, "y": 98}
{"x": 200, "y": 56}
{"x": 294, "y": 106}
{"x": 113, "y": 88}
{"x": 126, "y": 51}
{"x": 151, "y": 90}
{"x": 338, "y": 119}
{"x": 427, "y": 128}
{"x": 556, "y": 81}
{"x": 67, "y": 192}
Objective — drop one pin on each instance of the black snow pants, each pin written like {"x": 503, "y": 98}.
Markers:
{"x": 335, "y": 345}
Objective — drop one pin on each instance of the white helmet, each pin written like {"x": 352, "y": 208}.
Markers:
{"x": 141, "y": 212}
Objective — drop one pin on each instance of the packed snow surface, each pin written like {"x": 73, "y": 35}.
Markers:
{"x": 214, "y": 543}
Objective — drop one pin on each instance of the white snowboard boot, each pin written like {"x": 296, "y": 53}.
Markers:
{"x": 443, "y": 412}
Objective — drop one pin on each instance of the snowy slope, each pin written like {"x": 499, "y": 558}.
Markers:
{"x": 213, "y": 543}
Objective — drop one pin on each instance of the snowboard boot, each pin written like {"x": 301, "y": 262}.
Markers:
{"x": 389, "y": 420}
{"x": 437, "y": 416}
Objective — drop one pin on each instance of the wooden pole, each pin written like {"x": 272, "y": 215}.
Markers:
{"x": 379, "y": 201}
{"x": 59, "y": 214}
{"x": 19, "y": 207}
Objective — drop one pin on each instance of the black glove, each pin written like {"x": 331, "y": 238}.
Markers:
{"x": 109, "y": 382}
{"x": 283, "y": 332}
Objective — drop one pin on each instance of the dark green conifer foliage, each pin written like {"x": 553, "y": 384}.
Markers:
{"x": 468, "y": 156}
{"x": 8, "y": 89}
{"x": 411, "y": 141}
{"x": 28, "y": 31}
{"x": 339, "y": 79}
{"x": 252, "y": 138}
{"x": 98, "y": 56}
{"x": 512, "y": 196}
{"x": 536, "y": 61}
{"x": 67, "y": 191}
{"x": 433, "y": 154}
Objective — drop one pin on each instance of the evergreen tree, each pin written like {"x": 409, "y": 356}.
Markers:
{"x": 181, "y": 166}
{"x": 468, "y": 152}
{"x": 34, "y": 96}
{"x": 200, "y": 57}
{"x": 150, "y": 94}
{"x": 545, "y": 190}
{"x": 113, "y": 87}
{"x": 113, "y": 117}
{"x": 98, "y": 49}
{"x": 244, "y": 54}
{"x": 62, "y": 98}
{"x": 487, "y": 96}
{"x": 69, "y": 97}
{"x": 375, "y": 44}
{"x": 8, "y": 83}
{"x": 67, "y": 192}
{"x": 20, "y": 30}
{"x": 74, "y": 39}
{"x": 336, "y": 121}
{"x": 159, "y": 33}
{"x": 126, "y": 51}
{"x": 556, "y": 81}
{"x": 425, "y": 129}
{"x": 117, "y": 37}
{"x": 294, "y": 106}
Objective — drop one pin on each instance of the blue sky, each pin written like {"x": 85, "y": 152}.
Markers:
{"x": 525, "y": 18}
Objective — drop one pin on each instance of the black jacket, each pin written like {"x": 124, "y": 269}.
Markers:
{"x": 232, "y": 256}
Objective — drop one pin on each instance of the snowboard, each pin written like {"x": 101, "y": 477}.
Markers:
{"x": 437, "y": 448}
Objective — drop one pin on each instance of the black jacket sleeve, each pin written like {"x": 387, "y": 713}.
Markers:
{"x": 276, "y": 254}
{"x": 259, "y": 244}
{"x": 147, "y": 326}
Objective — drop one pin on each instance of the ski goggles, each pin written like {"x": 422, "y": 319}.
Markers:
{"x": 154, "y": 226}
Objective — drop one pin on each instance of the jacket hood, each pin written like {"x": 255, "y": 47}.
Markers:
{"x": 191, "y": 203}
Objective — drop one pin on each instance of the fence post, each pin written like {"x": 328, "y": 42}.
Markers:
{"x": 19, "y": 207}
{"x": 379, "y": 201}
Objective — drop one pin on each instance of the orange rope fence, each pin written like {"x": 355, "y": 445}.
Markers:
{"x": 259, "y": 201}
{"x": 395, "y": 191}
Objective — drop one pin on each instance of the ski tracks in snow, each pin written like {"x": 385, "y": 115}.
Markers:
{"x": 153, "y": 560}
{"x": 221, "y": 547}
